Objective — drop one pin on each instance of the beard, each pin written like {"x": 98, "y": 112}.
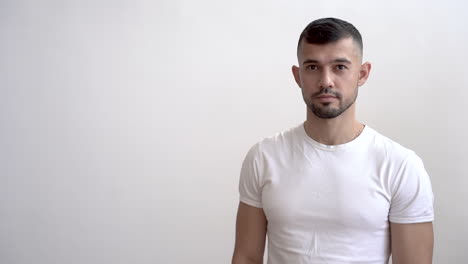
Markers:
{"x": 326, "y": 110}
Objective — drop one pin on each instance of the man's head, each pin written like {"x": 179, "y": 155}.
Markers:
{"x": 330, "y": 66}
{"x": 328, "y": 30}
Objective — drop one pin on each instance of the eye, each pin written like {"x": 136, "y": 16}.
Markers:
{"x": 341, "y": 67}
{"x": 311, "y": 67}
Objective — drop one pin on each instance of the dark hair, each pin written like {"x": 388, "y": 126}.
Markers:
{"x": 328, "y": 30}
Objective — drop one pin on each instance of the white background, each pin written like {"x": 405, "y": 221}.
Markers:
{"x": 124, "y": 123}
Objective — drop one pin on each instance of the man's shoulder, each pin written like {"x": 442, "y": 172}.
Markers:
{"x": 389, "y": 147}
{"x": 280, "y": 138}
{"x": 278, "y": 141}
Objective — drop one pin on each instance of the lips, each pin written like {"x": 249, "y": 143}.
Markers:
{"x": 326, "y": 96}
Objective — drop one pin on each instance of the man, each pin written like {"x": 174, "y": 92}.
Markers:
{"x": 333, "y": 190}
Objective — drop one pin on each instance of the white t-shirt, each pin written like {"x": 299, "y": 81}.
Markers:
{"x": 332, "y": 204}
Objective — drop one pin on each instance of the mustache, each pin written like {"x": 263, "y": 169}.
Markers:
{"x": 327, "y": 91}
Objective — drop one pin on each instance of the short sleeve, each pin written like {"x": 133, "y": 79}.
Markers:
{"x": 412, "y": 197}
{"x": 249, "y": 187}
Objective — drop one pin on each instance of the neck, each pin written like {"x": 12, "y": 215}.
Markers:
{"x": 334, "y": 131}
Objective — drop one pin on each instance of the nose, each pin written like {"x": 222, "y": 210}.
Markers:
{"x": 326, "y": 80}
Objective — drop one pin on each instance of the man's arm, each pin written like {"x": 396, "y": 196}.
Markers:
{"x": 251, "y": 227}
{"x": 412, "y": 243}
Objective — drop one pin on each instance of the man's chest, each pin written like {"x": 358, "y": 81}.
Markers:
{"x": 327, "y": 194}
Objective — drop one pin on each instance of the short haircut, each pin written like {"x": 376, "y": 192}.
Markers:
{"x": 328, "y": 30}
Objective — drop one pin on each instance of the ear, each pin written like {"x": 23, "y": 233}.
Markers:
{"x": 364, "y": 73}
{"x": 295, "y": 71}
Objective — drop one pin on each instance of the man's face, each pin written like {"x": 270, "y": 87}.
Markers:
{"x": 329, "y": 76}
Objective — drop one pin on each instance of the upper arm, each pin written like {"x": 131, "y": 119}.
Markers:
{"x": 251, "y": 227}
{"x": 412, "y": 243}
{"x": 411, "y": 190}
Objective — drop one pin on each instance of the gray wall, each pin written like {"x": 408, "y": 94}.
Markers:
{"x": 124, "y": 123}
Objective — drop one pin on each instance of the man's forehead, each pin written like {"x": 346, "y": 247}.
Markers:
{"x": 341, "y": 60}
{"x": 342, "y": 48}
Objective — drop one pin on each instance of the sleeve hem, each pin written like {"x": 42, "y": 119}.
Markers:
{"x": 251, "y": 202}
{"x": 411, "y": 220}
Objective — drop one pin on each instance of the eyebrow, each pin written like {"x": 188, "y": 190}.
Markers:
{"x": 337, "y": 60}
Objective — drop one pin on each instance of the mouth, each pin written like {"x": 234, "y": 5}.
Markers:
{"x": 326, "y": 98}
